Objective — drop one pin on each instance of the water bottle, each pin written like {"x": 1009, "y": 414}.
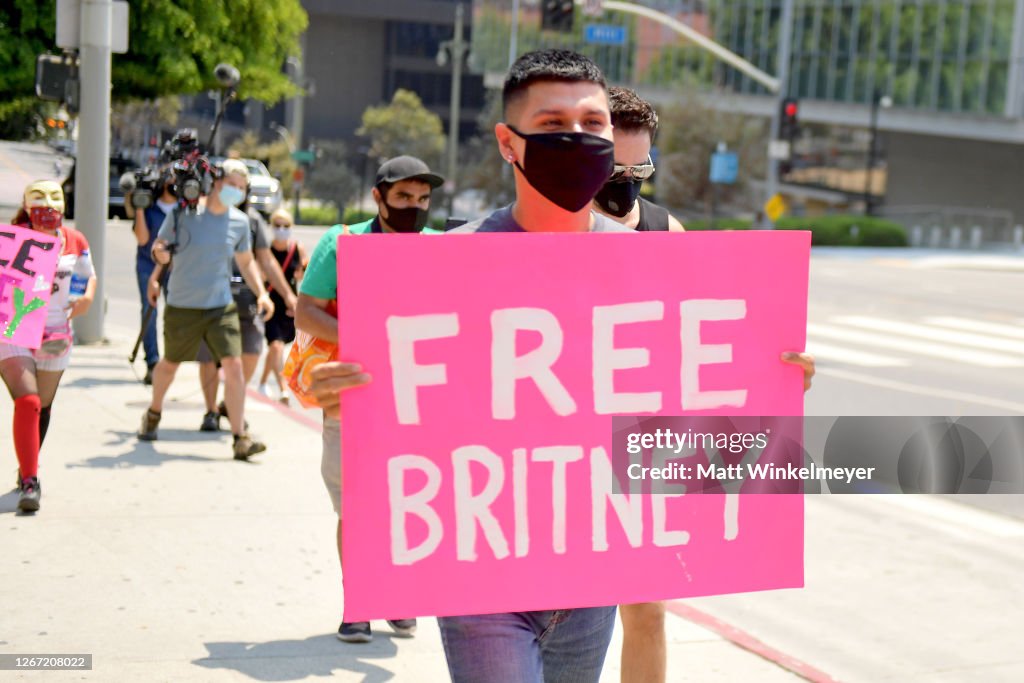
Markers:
{"x": 79, "y": 277}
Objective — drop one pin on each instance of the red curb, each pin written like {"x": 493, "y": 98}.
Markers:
{"x": 285, "y": 410}
{"x": 748, "y": 642}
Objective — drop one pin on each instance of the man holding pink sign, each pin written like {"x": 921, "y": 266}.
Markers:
{"x": 498, "y": 507}
{"x": 42, "y": 263}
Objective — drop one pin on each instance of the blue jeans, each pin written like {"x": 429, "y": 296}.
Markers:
{"x": 142, "y": 271}
{"x": 557, "y": 646}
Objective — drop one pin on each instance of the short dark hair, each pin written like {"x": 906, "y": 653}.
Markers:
{"x": 548, "y": 65}
{"x": 630, "y": 112}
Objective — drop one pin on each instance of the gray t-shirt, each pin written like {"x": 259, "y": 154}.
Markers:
{"x": 258, "y": 239}
{"x": 502, "y": 221}
{"x": 206, "y": 243}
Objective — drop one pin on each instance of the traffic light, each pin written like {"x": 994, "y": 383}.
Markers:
{"x": 789, "y": 123}
{"x": 556, "y": 15}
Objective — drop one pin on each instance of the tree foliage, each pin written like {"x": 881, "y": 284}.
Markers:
{"x": 276, "y": 155}
{"x": 688, "y": 133}
{"x": 483, "y": 168}
{"x": 173, "y": 47}
{"x": 331, "y": 179}
{"x": 404, "y": 126}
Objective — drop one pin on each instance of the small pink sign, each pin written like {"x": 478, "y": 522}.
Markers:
{"x": 28, "y": 262}
{"x": 478, "y": 470}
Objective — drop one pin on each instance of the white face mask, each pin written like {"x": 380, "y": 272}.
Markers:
{"x": 282, "y": 234}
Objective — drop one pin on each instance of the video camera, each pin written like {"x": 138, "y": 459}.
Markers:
{"x": 182, "y": 165}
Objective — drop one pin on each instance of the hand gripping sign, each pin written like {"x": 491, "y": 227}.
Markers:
{"x": 478, "y": 471}
{"x": 28, "y": 262}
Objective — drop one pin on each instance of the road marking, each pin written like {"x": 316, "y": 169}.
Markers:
{"x": 926, "y": 332}
{"x": 979, "y": 326}
{"x": 990, "y": 360}
{"x": 842, "y": 354}
{"x": 932, "y": 392}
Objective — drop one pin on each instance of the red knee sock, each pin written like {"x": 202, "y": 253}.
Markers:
{"x": 26, "y": 434}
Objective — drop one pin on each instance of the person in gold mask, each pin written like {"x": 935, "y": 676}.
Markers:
{"x": 32, "y": 375}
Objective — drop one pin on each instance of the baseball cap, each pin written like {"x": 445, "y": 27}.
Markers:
{"x": 230, "y": 166}
{"x": 407, "y": 168}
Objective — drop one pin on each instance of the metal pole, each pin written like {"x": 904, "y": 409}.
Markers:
{"x": 782, "y": 68}
{"x": 458, "y": 49}
{"x": 513, "y": 39}
{"x": 694, "y": 36}
{"x": 876, "y": 99}
{"x": 218, "y": 100}
{"x": 92, "y": 184}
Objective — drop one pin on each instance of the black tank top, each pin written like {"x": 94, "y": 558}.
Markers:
{"x": 652, "y": 217}
{"x": 289, "y": 272}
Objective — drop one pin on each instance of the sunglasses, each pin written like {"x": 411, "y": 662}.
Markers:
{"x": 640, "y": 172}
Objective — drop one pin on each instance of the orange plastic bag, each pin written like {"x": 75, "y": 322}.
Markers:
{"x": 308, "y": 352}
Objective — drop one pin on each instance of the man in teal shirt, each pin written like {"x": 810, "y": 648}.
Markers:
{"x": 402, "y": 192}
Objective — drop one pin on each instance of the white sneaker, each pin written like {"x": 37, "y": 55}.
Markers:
{"x": 264, "y": 389}
{"x": 285, "y": 398}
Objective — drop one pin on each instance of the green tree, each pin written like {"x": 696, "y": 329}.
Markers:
{"x": 688, "y": 133}
{"x": 276, "y": 155}
{"x": 482, "y": 166}
{"x": 173, "y": 48}
{"x": 404, "y": 126}
{"x": 331, "y": 179}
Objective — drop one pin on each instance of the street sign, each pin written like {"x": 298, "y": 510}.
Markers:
{"x": 775, "y": 207}
{"x": 725, "y": 167}
{"x": 779, "y": 149}
{"x": 304, "y": 156}
{"x": 604, "y": 34}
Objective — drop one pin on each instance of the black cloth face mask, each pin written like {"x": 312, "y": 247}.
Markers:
{"x": 618, "y": 198}
{"x": 410, "y": 219}
{"x": 567, "y": 168}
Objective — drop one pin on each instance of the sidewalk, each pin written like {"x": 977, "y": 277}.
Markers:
{"x": 169, "y": 561}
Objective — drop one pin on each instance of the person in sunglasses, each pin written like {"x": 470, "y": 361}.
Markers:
{"x": 292, "y": 256}
{"x": 635, "y": 123}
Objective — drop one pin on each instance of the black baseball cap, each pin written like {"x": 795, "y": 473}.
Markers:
{"x": 407, "y": 168}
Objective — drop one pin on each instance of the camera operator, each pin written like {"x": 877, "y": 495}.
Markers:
{"x": 145, "y": 226}
{"x": 245, "y": 299}
{"x": 199, "y": 303}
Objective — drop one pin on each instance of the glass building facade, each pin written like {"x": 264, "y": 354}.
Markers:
{"x": 951, "y": 56}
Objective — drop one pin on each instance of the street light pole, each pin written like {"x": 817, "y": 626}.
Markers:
{"x": 878, "y": 100}
{"x": 782, "y": 69}
{"x": 92, "y": 172}
{"x": 456, "y": 49}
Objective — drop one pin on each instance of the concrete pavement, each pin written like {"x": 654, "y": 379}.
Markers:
{"x": 170, "y": 561}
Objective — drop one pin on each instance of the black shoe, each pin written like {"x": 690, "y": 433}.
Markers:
{"x": 222, "y": 411}
{"x": 150, "y": 421}
{"x": 244, "y": 447}
{"x": 355, "y": 632}
{"x": 211, "y": 423}
{"x": 148, "y": 379}
{"x": 31, "y": 492}
{"x": 403, "y": 628}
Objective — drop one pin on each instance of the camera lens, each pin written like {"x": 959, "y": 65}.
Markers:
{"x": 190, "y": 189}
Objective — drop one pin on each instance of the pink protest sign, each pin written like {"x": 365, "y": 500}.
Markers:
{"x": 28, "y": 261}
{"x": 478, "y": 472}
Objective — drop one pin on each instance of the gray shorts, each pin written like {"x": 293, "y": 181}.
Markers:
{"x": 252, "y": 339}
{"x": 330, "y": 462}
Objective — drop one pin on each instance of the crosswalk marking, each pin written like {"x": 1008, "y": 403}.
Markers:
{"x": 914, "y": 346}
{"x": 927, "y": 332}
{"x": 823, "y": 351}
{"x": 1015, "y": 332}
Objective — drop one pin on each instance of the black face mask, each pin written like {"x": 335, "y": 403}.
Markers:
{"x": 411, "y": 219}
{"x": 618, "y": 198}
{"x": 567, "y": 168}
